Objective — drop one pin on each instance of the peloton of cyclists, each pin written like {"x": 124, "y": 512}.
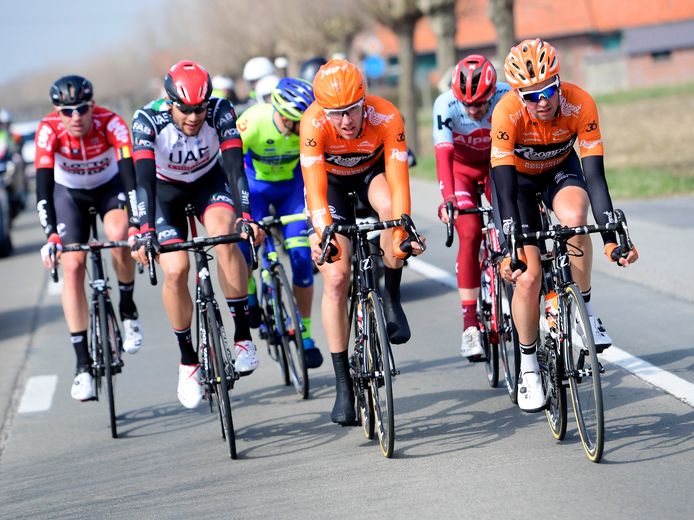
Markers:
{"x": 351, "y": 141}
{"x": 83, "y": 160}
{"x": 461, "y": 123}
{"x": 177, "y": 144}
{"x": 270, "y": 134}
{"x": 534, "y": 129}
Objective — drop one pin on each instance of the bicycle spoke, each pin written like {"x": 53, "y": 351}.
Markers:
{"x": 291, "y": 334}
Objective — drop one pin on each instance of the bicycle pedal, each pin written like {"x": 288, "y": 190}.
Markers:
{"x": 477, "y": 359}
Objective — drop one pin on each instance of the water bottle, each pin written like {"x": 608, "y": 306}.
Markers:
{"x": 551, "y": 311}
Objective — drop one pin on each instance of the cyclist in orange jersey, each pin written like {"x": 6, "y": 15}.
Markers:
{"x": 354, "y": 142}
{"x": 534, "y": 129}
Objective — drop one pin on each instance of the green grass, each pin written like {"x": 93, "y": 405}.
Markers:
{"x": 629, "y": 96}
{"x": 625, "y": 183}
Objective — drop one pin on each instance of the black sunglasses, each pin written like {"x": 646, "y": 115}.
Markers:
{"x": 192, "y": 109}
{"x": 81, "y": 109}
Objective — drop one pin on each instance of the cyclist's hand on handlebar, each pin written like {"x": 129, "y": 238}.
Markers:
{"x": 410, "y": 247}
{"x": 509, "y": 272}
{"x": 334, "y": 250}
{"x": 143, "y": 242}
{"x": 53, "y": 243}
{"x": 443, "y": 212}
{"x": 256, "y": 230}
{"x": 620, "y": 255}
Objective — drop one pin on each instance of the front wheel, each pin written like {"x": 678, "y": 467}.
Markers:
{"x": 583, "y": 371}
{"x": 509, "y": 348}
{"x": 292, "y": 341}
{"x": 222, "y": 378}
{"x": 106, "y": 332}
{"x": 380, "y": 369}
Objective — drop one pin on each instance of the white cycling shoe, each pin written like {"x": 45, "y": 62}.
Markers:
{"x": 132, "y": 341}
{"x": 82, "y": 386}
{"x": 471, "y": 343}
{"x": 600, "y": 335}
{"x": 246, "y": 357}
{"x": 531, "y": 394}
{"x": 190, "y": 390}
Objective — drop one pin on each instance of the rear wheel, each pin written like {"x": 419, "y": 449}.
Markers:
{"x": 221, "y": 378}
{"x": 583, "y": 371}
{"x": 105, "y": 334}
{"x": 485, "y": 308}
{"x": 292, "y": 341}
{"x": 379, "y": 367}
{"x": 554, "y": 390}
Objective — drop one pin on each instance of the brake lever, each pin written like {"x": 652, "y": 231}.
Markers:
{"x": 449, "y": 225}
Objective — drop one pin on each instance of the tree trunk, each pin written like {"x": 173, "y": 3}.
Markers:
{"x": 441, "y": 14}
{"x": 407, "y": 102}
{"x": 501, "y": 15}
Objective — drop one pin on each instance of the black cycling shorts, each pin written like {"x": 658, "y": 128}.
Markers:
{"x": 72, "y": 208}
{"x": 172, "y": 198}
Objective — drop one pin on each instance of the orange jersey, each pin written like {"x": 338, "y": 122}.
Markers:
{"x": 532, "y": 146}
{"x": 324, "y": 152}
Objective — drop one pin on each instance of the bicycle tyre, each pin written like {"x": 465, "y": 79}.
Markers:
{"x": 583, "y": 371}
{"x": 292, "y": 340}
{"x": 555, "y": 391}
{"x": 104, "y": 338}
{"x": 380, "y": 369}
{"x": 362, "y": 391}
{"x": 270, "y": 333}
{"x": 221, "y": 384}
{"x": 490, "y": 342}
{"x": 509, "y": 347}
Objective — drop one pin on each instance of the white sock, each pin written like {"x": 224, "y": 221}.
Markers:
{"x": 528, "y": 362}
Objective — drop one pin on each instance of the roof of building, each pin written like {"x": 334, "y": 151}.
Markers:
{"x": 547, "y": 19}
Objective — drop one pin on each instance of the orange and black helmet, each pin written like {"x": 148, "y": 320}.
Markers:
{"x": 338, "y": 84}
{"x": 531, "y": 62}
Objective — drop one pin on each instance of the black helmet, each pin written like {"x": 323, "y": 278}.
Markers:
{"x": 309, "y": 68}
{"x": 71, "y": 90}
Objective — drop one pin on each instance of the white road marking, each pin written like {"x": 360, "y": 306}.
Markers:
{"x": 38, "y": 394}
{"x": 662, "y": 379}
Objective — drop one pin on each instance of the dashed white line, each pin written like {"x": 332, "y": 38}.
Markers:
{"x": 662, "y": 379}
{"x": 38, "y": 394}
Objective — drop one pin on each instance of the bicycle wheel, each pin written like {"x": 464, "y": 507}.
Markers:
{"x": 357, "y": 362}
{"x": 292, "y": 341}
{"x": 554, "y": 389}
{"x": 379, "y": 366}
{"x": 104, "y": 338}
{"x": 268, "y": 329}
{"x": 509, "y": 348}
{"x": 222, "y": 380}
{"x": 583, "y": 371}
{"x": 490, "y": 341}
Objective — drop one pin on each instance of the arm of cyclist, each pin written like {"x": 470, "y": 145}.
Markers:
{"x": 232, "y": 161}
{"x": 506, "y": 184}
{"x": 443, "y": 152}
{"x": 316, "y": 185}
{"x": 398, "y": 178}
{"x": 46, "y": 209}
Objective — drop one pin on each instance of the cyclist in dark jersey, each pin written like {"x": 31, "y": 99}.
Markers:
{"x": 83, "y": 160}
{"x": 179, "y": 142}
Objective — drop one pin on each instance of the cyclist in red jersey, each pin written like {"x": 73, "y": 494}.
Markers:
{"x": 534, "y": 129}
{"x": 354, "y": 142}
{"x": 462, "y": 118}
{"x": 81, "y": 149}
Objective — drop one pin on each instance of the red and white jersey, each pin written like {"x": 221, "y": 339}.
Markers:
{"x": 86, "y": 162}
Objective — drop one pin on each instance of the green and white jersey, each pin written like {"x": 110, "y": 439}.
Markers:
{"x": 271, "y": 155}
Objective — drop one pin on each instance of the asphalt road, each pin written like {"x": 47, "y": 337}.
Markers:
{"x": 462, "y": 449}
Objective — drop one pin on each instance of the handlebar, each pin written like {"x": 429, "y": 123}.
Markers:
{"x": 450, "y": 212}
{"x": 367, "y": 227}
{"x": 89, "y": 246}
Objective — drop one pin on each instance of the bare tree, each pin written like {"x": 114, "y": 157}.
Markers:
{"x": 401, "y": 17}
{"x": 442, "y": 16}
{"x": 501, "y": 15}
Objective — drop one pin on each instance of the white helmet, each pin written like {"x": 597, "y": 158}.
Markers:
{"x": 264, "y": 88}
{"x": 257, "y": 67}
{"x": 222, "y": 83}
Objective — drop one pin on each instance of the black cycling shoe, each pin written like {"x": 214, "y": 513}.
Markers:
{"x": 343, "y": 412}
{"x": 312, "y": 356}
{"x": 396, "y": 323}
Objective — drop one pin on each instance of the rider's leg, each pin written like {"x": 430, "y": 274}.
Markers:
{"x": 74, "y": 302}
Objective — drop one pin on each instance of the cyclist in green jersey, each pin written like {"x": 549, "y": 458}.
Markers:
{"x": 270, "y": 135}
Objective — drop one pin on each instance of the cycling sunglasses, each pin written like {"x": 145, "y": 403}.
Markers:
{"x": 68, "y": 110}
{"x": 192, "y": 109}
{"x": 337, "y": 113}
{"x": 534, "y": 96}
{"x": 475, "y": 105}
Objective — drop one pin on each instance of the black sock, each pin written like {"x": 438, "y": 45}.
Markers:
{"x": 586, "y": 294}
{"x": 126, "y": 306}
{"x": 185, "y": 344}
{"x": 239, "y": 310}
{"x": 528, "y": 349}
{"x": 391, "y": 284}
{"x": 81, "y": 346}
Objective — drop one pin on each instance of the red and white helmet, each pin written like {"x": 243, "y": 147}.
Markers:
{"x": 474, "y": 80}
{"x": 188, "y": 83}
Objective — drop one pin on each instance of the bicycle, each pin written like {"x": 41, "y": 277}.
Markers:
{"x": 566, "y": 351}
{"x": 280, "y": 321}
{"x": 106, "y": 344}
{"x": 372, "y": 362}
{"x": 497, "y": 333}
{"x": 218, "y": 373}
